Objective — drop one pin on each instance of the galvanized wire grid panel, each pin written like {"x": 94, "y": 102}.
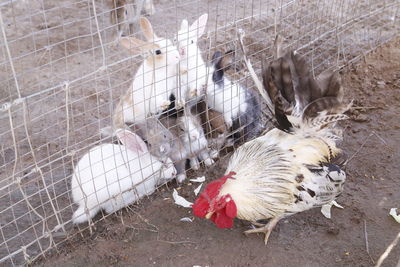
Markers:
{"x": 62, "y": 76}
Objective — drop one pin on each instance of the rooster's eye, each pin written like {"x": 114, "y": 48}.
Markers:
{"x": 158, "y": 52}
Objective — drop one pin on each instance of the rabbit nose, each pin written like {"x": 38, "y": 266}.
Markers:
{"x": 182, "y": 51}
{"x": 194, "y": 137}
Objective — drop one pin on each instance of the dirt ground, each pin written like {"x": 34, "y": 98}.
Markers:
{"x": 151, "y": 233}
{"x": 53, "y": 42}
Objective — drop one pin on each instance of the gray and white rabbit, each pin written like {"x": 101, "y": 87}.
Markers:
{"x": 194, "y": 139}
{"x": 112, "y": 176}
{"x": 189, "y": 143}
{"x": 240, "y": 106}
{"x": 159, "y": 139}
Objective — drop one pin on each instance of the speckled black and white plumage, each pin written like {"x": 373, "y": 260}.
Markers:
{"x": 279, "y": 174}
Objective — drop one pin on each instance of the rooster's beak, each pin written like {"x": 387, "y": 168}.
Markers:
{"x": 208, "y": 215}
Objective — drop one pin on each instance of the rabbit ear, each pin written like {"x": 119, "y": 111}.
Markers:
{"x": 184, "y": 24}
{"x": 137, "y": 46}
{"x": 147, "y": 29}
{"x": 198, "y": 27}
{"x": 131, "y": 140}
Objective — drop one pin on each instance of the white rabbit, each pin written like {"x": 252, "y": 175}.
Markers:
{"x": 193, "y": 83}
{"x": 154, "y": 81}
{"x": 112, "y": 176}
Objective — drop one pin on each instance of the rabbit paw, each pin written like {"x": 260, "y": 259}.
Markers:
{"x": 200, "y": 91}
{"x": 165, "y": 104}
{"x": 193, "y": 93}
{"x": 179, "y": 104}
{"x": 181, "y": 177}
{"x": 194, "y": 164}
{"x": 229, "y": 142}
{"x": 209, "y": 162}
{"x": 214, "y": 153}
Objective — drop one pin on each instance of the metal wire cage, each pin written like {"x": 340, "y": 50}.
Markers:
{"x": 63, "y": 73}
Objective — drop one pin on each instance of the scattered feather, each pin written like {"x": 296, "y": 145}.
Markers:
{"x": 198, "y": 179}
{"x": 197, "y": 190}
{"x": 180, "y": 201}
{"x": 393, "y": 213}
{"x": 186, "y": 219}
{"x": 326, "y": 209}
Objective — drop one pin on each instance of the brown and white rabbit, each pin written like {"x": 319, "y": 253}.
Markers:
{"x": 154, "y": 81}
{"x": 214, "y": 127}
{"x": 112, "y": 176}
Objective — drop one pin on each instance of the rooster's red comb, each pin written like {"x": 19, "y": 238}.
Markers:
{"x": 202, "y": 204}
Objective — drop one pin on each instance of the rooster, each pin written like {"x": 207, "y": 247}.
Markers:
{"x": 293, "y": 167}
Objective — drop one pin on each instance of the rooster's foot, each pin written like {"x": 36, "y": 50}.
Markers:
{"x": 266, "y": 229}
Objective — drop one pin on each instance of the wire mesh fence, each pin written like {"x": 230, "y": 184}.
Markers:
{"x": 63, "y": 72}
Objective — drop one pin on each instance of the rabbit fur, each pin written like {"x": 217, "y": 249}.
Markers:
{"x": 189, "y": 142}
{"x": 240, "y": 106}
{"x": 214, "y": 127}
{"x": 154, "y": 81}
{"x": 194, "y": 79}
{"x": 112, "y": 176}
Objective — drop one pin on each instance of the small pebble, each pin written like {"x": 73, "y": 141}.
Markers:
{"x": 381, "y": 84}
{"x": 361, "y": 118}
{"x": 333, "y": 230}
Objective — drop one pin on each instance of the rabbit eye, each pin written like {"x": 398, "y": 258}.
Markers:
{"x": 192, "y": 41}
{"x": 158, "y": 52}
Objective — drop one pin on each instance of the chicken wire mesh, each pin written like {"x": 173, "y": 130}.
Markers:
{"x": 62, "y": 75}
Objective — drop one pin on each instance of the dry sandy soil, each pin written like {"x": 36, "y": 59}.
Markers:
{"x": 56, "y": 41}
{"x": 151, "y": 233}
